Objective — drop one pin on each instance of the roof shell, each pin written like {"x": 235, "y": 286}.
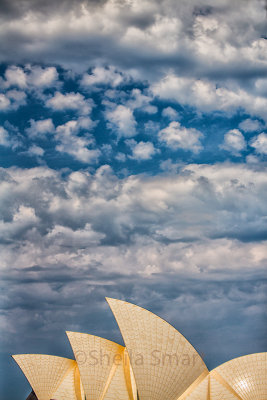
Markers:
{"x": 102, "y": 367}
{"x": 49, "y": 375}
{"x": 164, "y": 363}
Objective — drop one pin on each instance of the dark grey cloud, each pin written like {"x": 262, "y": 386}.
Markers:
{"x": 16, "y": 8}
{"x": 201, "y": 203}
{"x": 139, "y": 35}
{"x": 78, "y": 294}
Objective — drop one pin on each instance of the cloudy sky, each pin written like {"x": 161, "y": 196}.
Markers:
{"x": 133, "y": 143}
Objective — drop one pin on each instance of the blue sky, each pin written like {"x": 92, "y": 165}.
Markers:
{"x": 133, "y": 143}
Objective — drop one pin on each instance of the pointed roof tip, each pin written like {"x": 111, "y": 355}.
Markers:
{"x": 15, "y": 356}
{"x": 109, "y": 298}
{"x": 69, "y": 335}
{"x": 82, "y": 333}
{"x": 111, "y": 302}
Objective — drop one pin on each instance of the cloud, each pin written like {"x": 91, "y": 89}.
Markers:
{"x": 36, "y": 151}
{"x": 40, "y": 77}
{"x": 252, "y": 159}
{"x": 103, "y": 76}
{"x": 250, "y": 125}
{"x": 7, "y": 137}
{"x": 18, "y": 98}
{"x": 234, "y": 142}
{"x": 4, "y": 102}
{"x": 12, "y": 100}
{"x": 15, "y": 76}
{"x": 141, "y": 37}
{"x": 82, "y": 148}
{"x": 142, "y": 102}
{"x": 80, "y": 238}
{"x": 136, "y": 99}
{"x": 142, "y": 150}
{"x": 151, "y": 127}
{"x": 70, "y": 101}
{"x": 170, "y": 113}
{"x": 19, "y": 82}
{"x": 121, "y": 120}
{"x": 260, "y": 143}
{"x": 208, "y": 96}
{"x": 23, "y": 219}
{"x": 198, "y": 203}
{"x": 176, "y": 136}
{"x": 4, "y": 137}
{"x": 121, "y": 157}
{"x": 30, "y": 77}
{"x": 40, "y": 128}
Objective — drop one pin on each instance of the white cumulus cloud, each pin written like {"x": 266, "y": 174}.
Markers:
{"x": 15, "y": 76}
{"x": 35, "y": 151}
{"x": 142, "y": 150}
{"x": 103, "y": 76}
{"x": 260, "y": 143}
{"x": 12, "y": 100}
{"x": 82, "y": 147}
{"x": 40, "y": 77}
{"x": 250, "y": 125}
{"x": 234, "y": 142}
{"x": 141, "y": 101}
{"x": 31, "y": 77}
{"x": 70, "y": 101}
{"x": 122, "y": 121}
{"x": 170, "y": 113}
{"x": 4, "y": 137}
{"x": 176, "y": 136}
{"x": 208, "y": 96}
{"x": 40, "y": 128}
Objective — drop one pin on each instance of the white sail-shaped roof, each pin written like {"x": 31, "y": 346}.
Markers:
{"x": 164, "y": 363}
{"x": 247, "y": 376}
{"x": 48, "y": 375}
{"x": 101, "y": 365}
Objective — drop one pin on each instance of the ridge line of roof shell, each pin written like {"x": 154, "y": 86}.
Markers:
{"x": 41, "y": 354}
{"x": 96, "y": 336}
{"x": 237, "y": 358}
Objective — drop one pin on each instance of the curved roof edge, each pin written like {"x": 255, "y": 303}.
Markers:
{"x": 99, "y": 337}
{"x": 240, "y": 357}
{"x": 41, "y": 354}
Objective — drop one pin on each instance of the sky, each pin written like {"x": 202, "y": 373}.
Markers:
{"x": 133, "y": 143}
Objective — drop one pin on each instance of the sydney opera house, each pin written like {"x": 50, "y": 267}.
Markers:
{"x": 157, "y": 363}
